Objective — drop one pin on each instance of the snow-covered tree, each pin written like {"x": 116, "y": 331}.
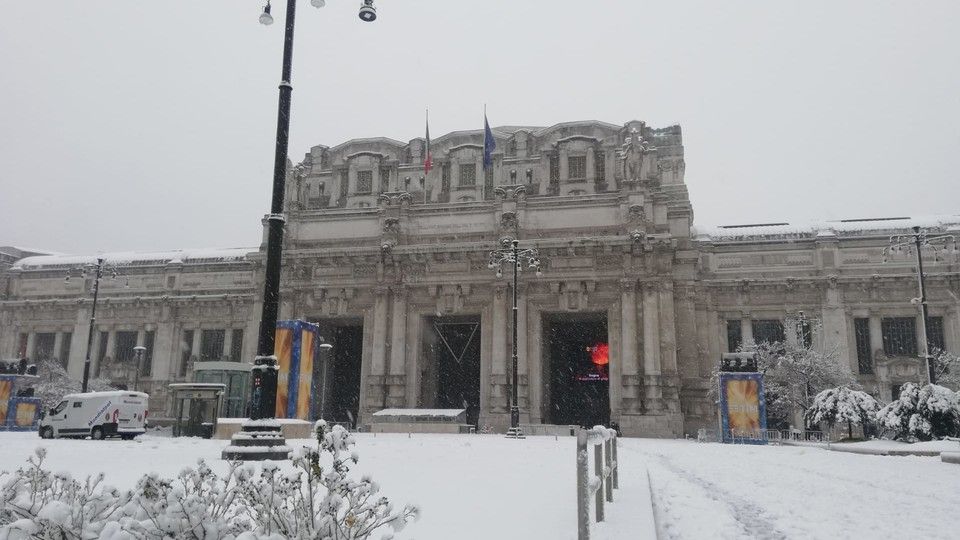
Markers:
{"x": 922, "y": 412}
{"x": 841, "y": 404}
{"x": 53, "y": 382}
{"x": 946, "y": 367}
{"x": 795, "y": 374}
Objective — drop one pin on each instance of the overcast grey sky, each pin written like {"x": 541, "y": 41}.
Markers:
{"x": 149, "y": 125}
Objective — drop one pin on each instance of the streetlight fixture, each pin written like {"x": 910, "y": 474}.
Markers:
{"x": 517, "y": 258}
{"x": 263, "y": 398}
{"x": 139, "y": 351}
{"x": 97, "y": 270}
{"x": 943, "y": 246}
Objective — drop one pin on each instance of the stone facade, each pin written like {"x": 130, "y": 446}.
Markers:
{"x": 375, "y": 245}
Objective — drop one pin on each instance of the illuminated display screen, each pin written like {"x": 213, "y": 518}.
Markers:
{"x": 594, "y": 366}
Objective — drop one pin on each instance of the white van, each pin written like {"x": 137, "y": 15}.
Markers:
{"x": 98, "y": 414}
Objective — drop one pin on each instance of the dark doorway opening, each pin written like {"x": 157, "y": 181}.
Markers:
{"x": 336, "y": 374}
{"x": 450, "y": 376}
{"x": 577, "y": 369}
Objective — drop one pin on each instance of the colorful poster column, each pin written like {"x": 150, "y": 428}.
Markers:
{"x": 743, "y": 414}
{"x": 297, "y": 344}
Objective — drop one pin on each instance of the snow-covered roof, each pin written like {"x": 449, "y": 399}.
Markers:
{"x": 111, "y": 393}
{"x": 810, "y": 229}
{"x": 130, "y": 258}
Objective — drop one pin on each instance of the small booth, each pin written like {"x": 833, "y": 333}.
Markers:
{"x": 196, "y": 407}
{"x": 19, "y": 410}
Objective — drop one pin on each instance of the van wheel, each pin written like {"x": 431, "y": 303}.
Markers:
{"x": 46, "y": 433}
{"x": 97, "y": 433}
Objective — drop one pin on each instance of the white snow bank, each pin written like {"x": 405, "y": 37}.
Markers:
{"x": 746, "y": 231}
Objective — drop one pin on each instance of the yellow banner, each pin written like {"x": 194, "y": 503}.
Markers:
{"x": 743, "y": 405}
{"x": 306, "y": 375}
{"x": 26, "y": 412}
{"x": 283, "y": 349}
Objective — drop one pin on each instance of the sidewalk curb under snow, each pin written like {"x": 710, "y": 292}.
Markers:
{"x": 884, "y": 451}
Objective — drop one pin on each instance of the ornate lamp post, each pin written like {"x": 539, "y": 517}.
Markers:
{"x": 516, "y": 257}
{"x": 263, "y": 398}
{"x": 942, "y": 246}
{"x": 97, "y": 270}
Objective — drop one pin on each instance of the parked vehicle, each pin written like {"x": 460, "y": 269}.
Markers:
{"x": 118, "y": 413}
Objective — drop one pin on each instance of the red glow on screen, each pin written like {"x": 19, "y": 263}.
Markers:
{"x": 600, "y": 354}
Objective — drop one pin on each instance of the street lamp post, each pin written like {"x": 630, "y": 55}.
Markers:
{"x": 914, "y": 244}
{"x": 516, "y": 257}
{"x": 263, "y": 398}
{"x": 97, "y": 270}
{"x": 139, "y": 351}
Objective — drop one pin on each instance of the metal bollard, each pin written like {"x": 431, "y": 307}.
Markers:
{"x": 608, "y": 461}
{"x": 598, "y": 469}
{"x": 583, "y": 488}
{"x": 615, "y": 462}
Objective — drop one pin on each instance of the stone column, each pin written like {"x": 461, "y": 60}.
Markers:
{"x": 534, "y": 364}
{"x": 195, "y": 348}
{"x": 835, "y": 334}
{"x": 166, "y": 351}
{"x": 498, "y": 356}
{"x": 746, "y": 330}
{"x": 523, "y": 369}
{"x": 378, "y": 360}
{"x": 58, "y": 346}
{"x": 32, "y": 345}
{"x": 876, "y": 335}
{"x": 668, "y": 330}
{"x": 398, "y": 330}
{"x": 564, "y": 169}
{"x": 629, "y": 368}
{"x": 651, "y": 330}
{"x": 227, "y": 340}
{"x": 591, "y": 167}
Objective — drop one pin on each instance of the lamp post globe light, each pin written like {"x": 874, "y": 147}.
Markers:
{"x": 942, "y": 247}
{"x": 97, "y": 271}
{"x": 516, "y": 257}
{"x": 263, "y": 396}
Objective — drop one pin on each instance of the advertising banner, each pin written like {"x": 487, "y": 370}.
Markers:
{"x": 743, "y": 414}
{"x": 296, "y": 348}
{"x": 6, "y": 390}
{"x": 25, "y": 414}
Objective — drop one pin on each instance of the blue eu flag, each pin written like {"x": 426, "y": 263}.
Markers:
{"x": 488, "y": 144}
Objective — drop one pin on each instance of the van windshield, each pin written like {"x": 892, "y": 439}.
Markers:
{"x": 59, "y": 408}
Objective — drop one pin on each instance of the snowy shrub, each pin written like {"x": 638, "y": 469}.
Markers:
{"x": 922, "y": 413}
{"x": 841, "y": 404}
{"x": 268, "y": 502}
{"x": 946, "y": 367}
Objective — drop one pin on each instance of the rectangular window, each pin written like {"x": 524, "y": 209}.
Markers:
{"x": 384, "y": 179}
{"x": 101, "y": 352}
{"x": 236, "y": 345}
{"x": 186, "y": 351}
{"x": 146, "y": 368}
{"x": 899, "y": 336}
{"x": 861, "y": 332}
{"x": 344, "y": 186}
{"x": 65, "y": 349}
{"x": 445, "y": 177}
{"x": 211, "y": 345}
{"x": 364, "y": 181}
{"x": 577, "y": 167}
{"x": 734, "y": 335}
{"x": 554, "y": 170}
{"x": 123, "y": 346}
{"x": 22, "y": 349}
{"x": 43, "y": 348}
{"x": 599, "y": 168}
{"x": 768, "y": 331}
{"x": 935, "y": 334}
{"x": 468, "y": 175}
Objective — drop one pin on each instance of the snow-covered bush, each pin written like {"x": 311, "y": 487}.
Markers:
{"x": 922, "y": 412}
{"x": 946, "y": 367}
{"x": 308, "y": 501}
{"x": 841, "y": 404}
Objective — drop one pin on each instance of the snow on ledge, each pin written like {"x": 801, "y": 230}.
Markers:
{"x": 452, "y": 413}
{"x": 132, "y": 258}
{"x": 811, "y": 229}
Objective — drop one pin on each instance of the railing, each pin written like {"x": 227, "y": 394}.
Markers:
{"x": 769, "y": 435}
{"x": 604, "y": 480}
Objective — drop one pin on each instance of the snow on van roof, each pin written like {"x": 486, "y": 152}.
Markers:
{"x": 130, "y": 258}
{"x": 810, "y": 229}
{"x": 110, "y": 393}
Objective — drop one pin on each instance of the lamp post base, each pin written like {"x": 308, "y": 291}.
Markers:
{"x": 258, "y": 440}
{"x": 515, "y": 433}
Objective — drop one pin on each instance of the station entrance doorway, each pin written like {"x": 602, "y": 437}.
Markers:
{"x": 450, "y": 376}
{"x": 336, "y": 373}
{"x": 576, "y": 369}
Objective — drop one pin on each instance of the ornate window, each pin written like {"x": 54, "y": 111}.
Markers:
{"x": 599, "y": 167}
{"x": 768, "y": 331}
{"x": 124, "y": 344}
{"x": 861, "y": 331}
{"x": 734, "y": 335}
{"x": 935, "y": 333}
{"x": 384, "y": 179}
{"x": 364, "y": 181}
{"x": 577, "y": 167}
{"x": 554, "y": 169}
{"x": 468, "y": 175}
{"x": 236, "y": 345}
{"x": 899, "y": 336}
{"x": 445, "y": 177}
{"x": 211, "y": 344}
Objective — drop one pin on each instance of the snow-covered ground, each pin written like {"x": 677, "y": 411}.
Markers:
{"x": 486, "y": 486}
